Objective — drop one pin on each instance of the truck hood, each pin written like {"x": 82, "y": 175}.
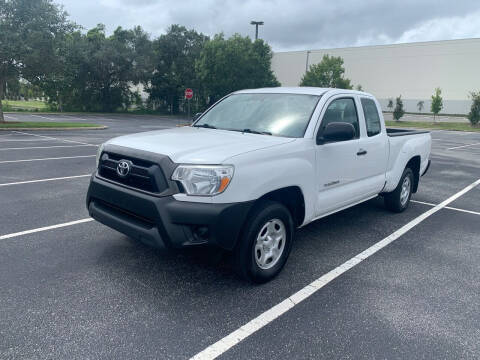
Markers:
{"x": 195, "y": 145}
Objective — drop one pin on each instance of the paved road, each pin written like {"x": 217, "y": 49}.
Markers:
{"x": 86, "y": 291}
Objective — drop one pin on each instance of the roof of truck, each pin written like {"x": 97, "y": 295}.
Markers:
{"x": 298, "y": 90}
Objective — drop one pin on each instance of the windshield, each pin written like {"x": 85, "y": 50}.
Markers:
{"x": 273, "y": 114}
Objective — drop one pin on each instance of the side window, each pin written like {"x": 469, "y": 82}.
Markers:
{"x": 371, "y": 117}
{"x": 341, "y": 110}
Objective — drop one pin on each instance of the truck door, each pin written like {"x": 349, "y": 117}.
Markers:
{"x": 373, "y": 148}
{"x": 338, "y": 170}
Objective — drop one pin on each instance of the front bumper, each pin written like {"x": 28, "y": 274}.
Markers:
{"x": 163, "y": 221}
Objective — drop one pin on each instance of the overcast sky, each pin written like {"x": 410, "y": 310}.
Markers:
{"x": 292, "y": 24}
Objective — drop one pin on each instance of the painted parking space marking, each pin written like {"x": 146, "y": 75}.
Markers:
{"x": 447, "y": 207}
{"x": 44, "y": 147}
{"x": 463, "y": 146}
{"x": 54, "y": 138}
{"x": 76, "y": 117}
{"x": 43, "y": 117}
{"x": 24, "y": 140}
{"x": 45, "y": 159}
{"x": 45, "y": 228}
{"x": 232, "y": 339}
{"x": 45, "y": 180}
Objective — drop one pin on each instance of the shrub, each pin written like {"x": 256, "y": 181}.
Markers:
{"x": 437, "y": 103}
{"x": 474, "y": 114}
{"x": 398, "y": 111}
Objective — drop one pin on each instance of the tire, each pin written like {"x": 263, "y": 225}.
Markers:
{"x": 263, "y": 248}
{"x": 399, "y": 199}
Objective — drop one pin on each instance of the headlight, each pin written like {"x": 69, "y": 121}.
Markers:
{"x": 204, "y": 180}
{"x": 99, "y": 153}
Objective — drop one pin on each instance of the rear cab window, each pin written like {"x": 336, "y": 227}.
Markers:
{"x": 372, "y": 118}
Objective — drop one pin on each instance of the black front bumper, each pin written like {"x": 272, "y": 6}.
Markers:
{"x": 162, "y": 220}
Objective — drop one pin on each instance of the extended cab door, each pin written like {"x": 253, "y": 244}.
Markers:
{"x": 373, "y": 147}
{"x": 338, "y": 171}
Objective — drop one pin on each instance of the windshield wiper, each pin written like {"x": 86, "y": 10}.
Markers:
{"x": 207, "y": 126}
{"x": 256, "y": 132}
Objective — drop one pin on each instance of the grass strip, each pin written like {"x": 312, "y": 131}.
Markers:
{"x": 433, "y": 126}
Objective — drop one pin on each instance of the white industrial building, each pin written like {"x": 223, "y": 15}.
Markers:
{"x": 412, "y": 70}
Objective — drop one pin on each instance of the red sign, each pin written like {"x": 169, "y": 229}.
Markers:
{"x": 188, "y": 94}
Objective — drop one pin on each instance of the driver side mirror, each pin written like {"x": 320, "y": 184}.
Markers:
{"x": 336, "y": 131}
{"x": 196, "y": 116}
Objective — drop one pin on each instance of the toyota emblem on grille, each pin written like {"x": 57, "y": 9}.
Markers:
{"x": 123, "y": 168}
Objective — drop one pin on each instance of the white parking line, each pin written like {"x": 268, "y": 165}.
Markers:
{"x": 26, "y": 232}
{"x": 229, "y": 341}
{"x": 43, "y": 180}
{"x": 447, "y": 207}
{"x": 462, "y": 146}
{"x": 54, "y": 138}
{"x": 43, "y": 147}
{"x": 44, "y": 159}
{"x": 27, "y": 140}
{"x": 43, "y": 117}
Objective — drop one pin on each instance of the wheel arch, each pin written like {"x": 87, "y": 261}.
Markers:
{"x": 414, "y": 165}
{"x": 292, "y": 198}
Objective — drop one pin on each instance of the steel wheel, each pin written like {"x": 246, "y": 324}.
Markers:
{"x": 270, "y": 243}
{"x": 405, "y": 192}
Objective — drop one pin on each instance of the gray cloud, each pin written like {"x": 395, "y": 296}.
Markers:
{"x": 292, "y": 25}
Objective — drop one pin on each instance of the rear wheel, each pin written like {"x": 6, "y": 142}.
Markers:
{"x": 399, "y": 199}
{"x": 265, "y": 244}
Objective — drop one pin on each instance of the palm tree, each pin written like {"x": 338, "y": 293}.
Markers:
{"x": 390, "y": 104}
{"x": 420, "y": 105}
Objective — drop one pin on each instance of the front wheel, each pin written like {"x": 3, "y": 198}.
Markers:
{"x": 399, "y": 199}
{"x": 265, "y": 244}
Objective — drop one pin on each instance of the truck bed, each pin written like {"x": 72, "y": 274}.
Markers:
{"x": 402, "y": 132}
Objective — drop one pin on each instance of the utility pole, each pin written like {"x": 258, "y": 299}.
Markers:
{"x": 306, "y": 63}
{"x": 256, "y": 23}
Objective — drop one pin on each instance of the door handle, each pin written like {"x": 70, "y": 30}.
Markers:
{"x": 362, "y": 152}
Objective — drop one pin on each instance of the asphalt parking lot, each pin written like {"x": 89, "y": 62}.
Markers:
{"x": 82, "y": 290}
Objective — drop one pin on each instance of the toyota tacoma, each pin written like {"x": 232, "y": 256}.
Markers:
{"x": 252, "y": 169}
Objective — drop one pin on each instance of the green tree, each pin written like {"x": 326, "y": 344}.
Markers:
{"x": 96, "y": 72}
{"x": 64, "y": 87}
{"x": 111, "y": 63}
{"x": 437, "y": 102}
{"x": 28, "y": 31}
{"x": 390, "y": 104}
{"x": 398, "y": 112}
{"x": 329, "y": 73}
{"x": 420, "y": 105}
{"x": 474, "y": 114}
{"x": 227, "y": 65}
{"x": 174, "y": 57}
{"x": 359, "y": 87}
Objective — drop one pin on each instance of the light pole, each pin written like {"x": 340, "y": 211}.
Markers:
{"x": 256, "y": 23}
{"x": 306, "y": 62}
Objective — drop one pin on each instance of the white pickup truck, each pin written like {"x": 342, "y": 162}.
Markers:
{"x": 254, "y": 167}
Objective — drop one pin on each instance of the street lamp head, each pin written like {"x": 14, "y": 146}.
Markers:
{"x": 256, "y": 23}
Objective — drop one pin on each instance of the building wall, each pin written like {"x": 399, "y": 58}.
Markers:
{"x": 412, "y": 70}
